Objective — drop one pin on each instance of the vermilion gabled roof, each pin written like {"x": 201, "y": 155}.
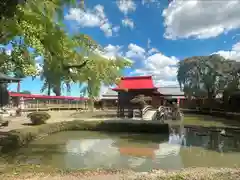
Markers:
{"x": 134, "y": 83}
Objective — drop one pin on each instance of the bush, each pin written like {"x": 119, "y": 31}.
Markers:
{"x": 38, "y": 118}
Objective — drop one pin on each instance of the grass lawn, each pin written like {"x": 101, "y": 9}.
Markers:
{"x": 207, "y": 121}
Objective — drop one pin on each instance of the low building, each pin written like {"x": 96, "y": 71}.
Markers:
{"x": 130, "y": 87}
{"x": 110, "y": 99}
{"x": 173, "y": 93}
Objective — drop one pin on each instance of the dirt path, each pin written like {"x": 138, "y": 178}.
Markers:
{"x": 58, "y": 116}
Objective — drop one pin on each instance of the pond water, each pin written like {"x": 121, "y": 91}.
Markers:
{"x": 183, "y": 147}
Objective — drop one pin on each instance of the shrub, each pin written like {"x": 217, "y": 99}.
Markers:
{"x": 18, "y": 112}
{"x": 38, "y": 118}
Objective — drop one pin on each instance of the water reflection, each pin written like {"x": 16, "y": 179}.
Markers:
{"x": 183, "y": 147}
{"x": 212, "y": 140}
{"x": 91, "y": 153}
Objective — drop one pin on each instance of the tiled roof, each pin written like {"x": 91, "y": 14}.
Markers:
{"x": 137, "y": 82}
{"x": 171, "y": 90}
{"x": 109, "y": 93}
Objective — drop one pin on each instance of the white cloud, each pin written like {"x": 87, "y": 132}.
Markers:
{"x": 147, "y": 3}
{"x": 112, "y": 51}
{"x": 126, "y": 6}
{"x": 233, "y": 54}
{"x": 92, "y": 18}
{"x": 161, "y": 67}
{"x": 200, "y": 19}
{"x": 128, "y": 23}
{"x": 116, "y": 29}
{"x": 163, "y": 83}
{"x": 135, "y": 52}
{"x": 152, "y": 51}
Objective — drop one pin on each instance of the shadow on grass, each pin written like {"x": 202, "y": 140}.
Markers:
{"x": 95, "y": 114}
{"x": 28, "y": 124}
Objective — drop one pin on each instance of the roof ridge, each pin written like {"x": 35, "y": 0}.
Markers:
{"x": 137, "y": 77}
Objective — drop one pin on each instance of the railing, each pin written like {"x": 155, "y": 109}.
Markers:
{"x": 146, "y": 108}
{"x": 33, "y": 106}
{"x": 167, "y": 113}
{"x": 154, "y": 117}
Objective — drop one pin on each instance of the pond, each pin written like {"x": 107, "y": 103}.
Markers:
{"x": 183, "y": 147}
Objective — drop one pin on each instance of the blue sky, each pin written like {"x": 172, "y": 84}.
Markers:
{"x": 155, "y": 34}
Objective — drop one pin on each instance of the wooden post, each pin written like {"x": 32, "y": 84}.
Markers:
{"x": 37, "y": 104}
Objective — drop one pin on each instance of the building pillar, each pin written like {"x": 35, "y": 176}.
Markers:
{"x": 178, "y": 101}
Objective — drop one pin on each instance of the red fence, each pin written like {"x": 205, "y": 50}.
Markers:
{"x": 34, "y": 101}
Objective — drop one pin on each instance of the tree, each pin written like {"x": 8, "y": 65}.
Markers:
{"x": 141, "y": 100}
{"x": 201, "y": 76}
{"x": 20, "y": 62}
{"x": 100, "y": 71}
{"x": 26, "y": 92}
{"x": 4, "y": 99}
{"x": 36, "y": 22}
{"x": 207, "y": 76}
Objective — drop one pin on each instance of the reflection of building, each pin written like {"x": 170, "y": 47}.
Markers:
{"x": 96, "y": 153}
{"x": 168, "y": 154}
{"x": 138, "y": 152}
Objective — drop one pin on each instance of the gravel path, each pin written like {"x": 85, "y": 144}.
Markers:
{"x": 185, "y": 174}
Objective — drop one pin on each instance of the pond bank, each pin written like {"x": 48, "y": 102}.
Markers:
{"x": 18, "y": 138}
{"x": 184, "y": 174}
{"x": 222, "y": 114}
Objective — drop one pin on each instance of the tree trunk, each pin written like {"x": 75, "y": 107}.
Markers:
{"x": 49, "y": 89}
{"x": 57, "y": 90}
{"x": 91, "y": 104}
{"x": 210, "y": 101}
{"x": 225, "y": 100}
{"x": 18, "y": 87}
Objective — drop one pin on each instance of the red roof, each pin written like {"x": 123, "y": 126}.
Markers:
{"x": 37, "y": 96}
{"x": 136, "y": 82}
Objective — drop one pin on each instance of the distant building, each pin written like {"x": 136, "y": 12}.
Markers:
{"x": 171, "y": 92}
{"x": 110, "y": 95}
{"x": 129, "y": 87}
{"x": 110, "y": 99}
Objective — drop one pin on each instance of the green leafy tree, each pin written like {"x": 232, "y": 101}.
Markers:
{"x": 101, "y": 71}
{"x": 19, "y": 63}
{"x": 201, "y": 76}
{"x": 26, "y": 92}
{"x": 208, "y": 76}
